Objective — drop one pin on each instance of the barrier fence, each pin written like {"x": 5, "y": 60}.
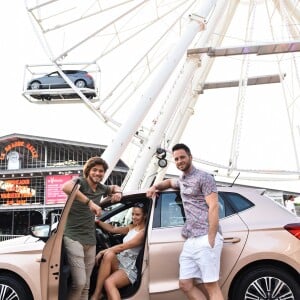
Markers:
{"x": 5, "y": 237}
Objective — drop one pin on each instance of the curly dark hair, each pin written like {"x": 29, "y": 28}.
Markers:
{"x": 92, "y": 162}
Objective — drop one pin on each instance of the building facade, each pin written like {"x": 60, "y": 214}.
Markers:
{"x": 32, "y": 172}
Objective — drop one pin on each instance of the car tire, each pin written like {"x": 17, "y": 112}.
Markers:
{"x": 89, "y": 96}
{"x": 256, "y": 282}
{"x": 47, "y": 98}
{"x": 12, "y": 287}
{"x": 35, "y": 85}
{"x": 80, "y": 83}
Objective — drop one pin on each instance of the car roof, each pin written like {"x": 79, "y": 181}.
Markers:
{"x": 69, "y": 71}
{"x": 267, "y": 213}
{"x": 74, "y": 71}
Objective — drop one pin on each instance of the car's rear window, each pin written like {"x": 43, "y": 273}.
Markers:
{"x": 236, "y": 201}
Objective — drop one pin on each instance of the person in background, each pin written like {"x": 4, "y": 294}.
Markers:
{"x": 79, "y": 235}
{"x": 200, "y": 257}
{"x": 117, "y": 264}
{"x": 289, "y": 204}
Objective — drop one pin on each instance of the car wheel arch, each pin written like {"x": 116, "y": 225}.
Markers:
{"x": 80, "y": 81}
{"x": 263, "y": 265}
{"x": 9, "y": 277}
{"x": 37, "y": 83}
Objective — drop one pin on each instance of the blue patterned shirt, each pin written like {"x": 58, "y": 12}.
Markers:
{"x": 194, "y": 187}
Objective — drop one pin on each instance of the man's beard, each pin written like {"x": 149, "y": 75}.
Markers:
{"x": 93, "y": 180}
{"x": 185, "y": 167}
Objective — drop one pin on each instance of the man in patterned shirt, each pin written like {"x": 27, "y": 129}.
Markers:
{"x": 200, "y": 257}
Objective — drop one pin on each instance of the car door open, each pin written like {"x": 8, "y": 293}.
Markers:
{"x": 51, "y": 255}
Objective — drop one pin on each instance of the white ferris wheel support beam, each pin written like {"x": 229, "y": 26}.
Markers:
{"x": 291, "y": 6}
{"x": 144, "y": 158}
{"x": 124, "y": 135}
{"x": 182, "y": 113}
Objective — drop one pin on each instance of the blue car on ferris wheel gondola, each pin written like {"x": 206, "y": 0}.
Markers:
{"x": 81, "y": 79}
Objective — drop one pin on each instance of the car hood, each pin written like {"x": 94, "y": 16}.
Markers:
{"x": 22, "y": 244}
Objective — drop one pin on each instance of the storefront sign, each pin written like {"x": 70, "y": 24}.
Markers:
{"x": 54, "y": 183}
{"x": 16, "y": 144}
{"x": 16, "y": 191}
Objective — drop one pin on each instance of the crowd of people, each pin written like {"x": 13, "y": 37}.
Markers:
{"x": 199, "y": 262}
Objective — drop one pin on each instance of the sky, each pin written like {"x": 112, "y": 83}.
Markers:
{"x": 20, "y": 47}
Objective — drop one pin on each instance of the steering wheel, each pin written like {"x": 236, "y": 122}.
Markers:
{"x": 103, "y": 238}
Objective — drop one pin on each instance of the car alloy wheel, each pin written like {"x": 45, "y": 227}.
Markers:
{"x": 269, "y": 288}
{"x": 35, "y": 85}
{"x": 6, "y": 292}
{"x": 80, "y": 83}
{"x": 266, "y": 282}
{"x": 11, "y": 287}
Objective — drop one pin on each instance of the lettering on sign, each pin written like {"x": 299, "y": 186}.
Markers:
{"x": 16, "y": 191}
{"x": 16, "y": 144}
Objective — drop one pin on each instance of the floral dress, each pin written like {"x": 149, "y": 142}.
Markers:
{"x": 127, "y": 258}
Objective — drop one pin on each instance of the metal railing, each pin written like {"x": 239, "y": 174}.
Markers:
{"x": 5, "y": 237}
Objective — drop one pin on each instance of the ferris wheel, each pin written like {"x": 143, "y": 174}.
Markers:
{"x": 154, "y": 61}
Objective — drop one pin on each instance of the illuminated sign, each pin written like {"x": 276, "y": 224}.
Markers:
{"x": 16, "y": 144}
{"x": 16, "y": 191}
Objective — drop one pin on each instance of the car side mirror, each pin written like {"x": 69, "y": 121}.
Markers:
{"x": 40, "y": 231}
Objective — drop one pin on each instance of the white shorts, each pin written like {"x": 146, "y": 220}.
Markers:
{"x": 199, "y": 260}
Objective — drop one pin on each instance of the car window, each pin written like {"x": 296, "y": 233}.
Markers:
{"x": 225, "y": 209}
{"x": 120, "y": 214}
{"x": 236, "y": 202}
{"x": 71, "y": 72}
{"x": 54, "y": 74}
{"x": 116, "y": 214}
{"x": 169, "y": 210}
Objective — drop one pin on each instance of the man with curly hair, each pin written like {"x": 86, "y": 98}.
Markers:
{"x": 80, "y": 234}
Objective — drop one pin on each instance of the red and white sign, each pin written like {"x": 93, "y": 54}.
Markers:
{"x": 54, "y": 183}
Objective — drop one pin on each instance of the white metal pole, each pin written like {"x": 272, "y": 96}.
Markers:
{"x": 115, "y": 149}
{"x": 149, "y": 149}
{"x": 186, "y": 110}
{"x": 187, "y": 101}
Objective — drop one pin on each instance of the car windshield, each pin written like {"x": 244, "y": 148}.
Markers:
{"x": 118, "y": 218}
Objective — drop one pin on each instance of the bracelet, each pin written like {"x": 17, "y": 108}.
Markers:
{"x": 87, "y": 201}
{"x": 118, "y": 192}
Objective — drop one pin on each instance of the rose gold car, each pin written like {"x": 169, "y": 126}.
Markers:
{"x": 260, "y": 259}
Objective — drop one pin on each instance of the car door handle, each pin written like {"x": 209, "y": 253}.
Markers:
{"x": 232, "y": 240}
{"x": 41, "y": 260}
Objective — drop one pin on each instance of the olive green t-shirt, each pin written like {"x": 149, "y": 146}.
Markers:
{"x": 80, "y": 224}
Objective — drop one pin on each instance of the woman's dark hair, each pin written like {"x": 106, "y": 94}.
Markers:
{"x": 142, "y": 206}
{"x": 92, "y": 162}
{"x": 183, "y": 147}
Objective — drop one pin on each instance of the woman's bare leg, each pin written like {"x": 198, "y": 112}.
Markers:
{"x": 109, "y": 264}
{"x": 115, "y": 281}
